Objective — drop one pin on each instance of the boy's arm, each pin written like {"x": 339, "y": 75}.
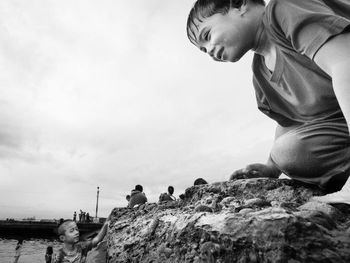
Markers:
{"x": 100, "y": 234}
{"x": 334, "y": 58}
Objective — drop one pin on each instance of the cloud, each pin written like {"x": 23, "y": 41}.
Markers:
{"x": 112, "y": 94}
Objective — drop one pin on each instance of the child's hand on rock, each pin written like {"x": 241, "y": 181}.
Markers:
{"x": 255, "y": 170}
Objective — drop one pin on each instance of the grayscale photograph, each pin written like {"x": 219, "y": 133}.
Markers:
{"x": 186, "y": 131}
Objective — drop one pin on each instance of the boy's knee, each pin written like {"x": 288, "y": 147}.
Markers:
{"x": 291, "y": 153}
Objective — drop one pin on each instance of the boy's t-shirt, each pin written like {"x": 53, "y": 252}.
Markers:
{"x": 298, "y": 91}
{"x": 79, "y": 257}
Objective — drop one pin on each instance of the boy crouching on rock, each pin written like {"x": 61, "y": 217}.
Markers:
{"x": 73, "y": 250}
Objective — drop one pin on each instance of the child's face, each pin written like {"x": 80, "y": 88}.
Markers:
{"x": 71, "y": 234}
{"x": 226, "y": 37}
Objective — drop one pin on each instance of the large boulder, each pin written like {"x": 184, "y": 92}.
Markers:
{"x": 248, "y": 220}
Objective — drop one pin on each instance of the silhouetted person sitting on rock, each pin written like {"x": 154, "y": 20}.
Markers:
{"x": 167, "y": 196}
{"x": 171, "y": 192}
{"x": 200, "y": 181}
{"x": 137, "y": 197}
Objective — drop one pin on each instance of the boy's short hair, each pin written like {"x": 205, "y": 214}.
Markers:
{"x": 200, "y": 181}
{"x": 139, "y": 188}
{"x": 63, "y": 226}
{"x": 205, "y": 8}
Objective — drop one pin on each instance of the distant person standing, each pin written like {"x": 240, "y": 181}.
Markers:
{"x": 127, "y": 197}
{"x": 87, "y": 218}
{"x": 18, "y": 250}
{"x": 80, "y": 215}
{"x": 75, "y": 216}
{"x": 137, "y": 196}
{"x": 49, "y": 255}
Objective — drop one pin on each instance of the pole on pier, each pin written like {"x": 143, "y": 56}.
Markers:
{"x": 98, "y": 192}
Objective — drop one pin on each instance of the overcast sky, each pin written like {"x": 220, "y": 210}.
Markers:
{"x": 112, "y": 94}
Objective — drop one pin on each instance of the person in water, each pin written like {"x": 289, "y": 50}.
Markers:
{"x": 49, "y": 255}
{"x": 301, "y": 78}
{"x": 18, "y": 250}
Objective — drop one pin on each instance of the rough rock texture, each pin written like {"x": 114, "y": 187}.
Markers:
{"x": 249, "y": 220}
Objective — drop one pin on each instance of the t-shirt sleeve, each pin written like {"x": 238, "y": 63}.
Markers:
{"x": 305, "y": 24}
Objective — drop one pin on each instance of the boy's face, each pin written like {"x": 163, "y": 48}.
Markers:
{"x": 71, "y": 235}
{"x": 226, "y": 37}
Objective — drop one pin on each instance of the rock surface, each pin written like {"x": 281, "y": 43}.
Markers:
{"x": 248, "y": 220}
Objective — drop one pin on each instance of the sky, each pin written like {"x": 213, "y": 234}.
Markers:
{"x": 112, "y": 94}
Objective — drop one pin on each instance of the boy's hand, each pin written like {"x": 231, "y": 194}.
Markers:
{"x": 101, "y": 234}
{"x": 255, "y": 170}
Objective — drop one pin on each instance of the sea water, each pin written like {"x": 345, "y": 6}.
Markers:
{"x": 33, "y": 250}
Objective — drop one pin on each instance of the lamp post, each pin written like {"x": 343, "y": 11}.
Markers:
{"x": 98, "y": 192}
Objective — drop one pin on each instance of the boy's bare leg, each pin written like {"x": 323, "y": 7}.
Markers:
{"x": 342, "y": 196}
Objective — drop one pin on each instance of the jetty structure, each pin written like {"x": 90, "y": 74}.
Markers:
{"x": 42, "y": 228}
{"x": 47, "y": 228}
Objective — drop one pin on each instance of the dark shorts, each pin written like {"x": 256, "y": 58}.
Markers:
{"x": 315, "y": 153}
